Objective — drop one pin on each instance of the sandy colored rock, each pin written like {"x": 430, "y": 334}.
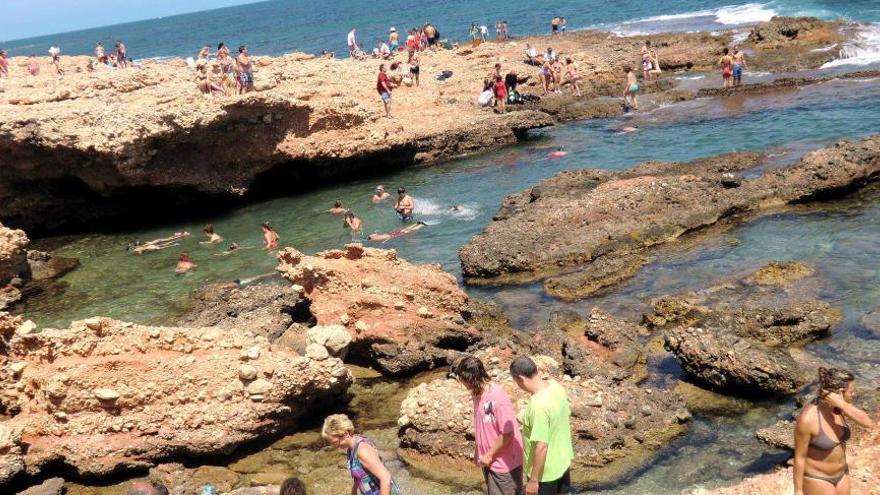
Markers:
{"x": 616, "y": 425}
{"x": 126, "y": 396}
{"x": 52, "y": 486}
{"x": 779, "y": 435}
{"x": 335, "y": 338}
{"x": 599, "y": 213}
{"x": 863, "y": 457}
{"x": 13, "y": 256}
{"x": 311, "y": 117}
{"x": 360, "y": 284}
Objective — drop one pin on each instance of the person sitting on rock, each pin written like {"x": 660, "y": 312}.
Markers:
{"x": 531, "y": 55}
{"x": 184, "y": 264}
{"x": 337, "y": 209}
{"x": 292, "y": 486}
{"x": 369, "y": 474}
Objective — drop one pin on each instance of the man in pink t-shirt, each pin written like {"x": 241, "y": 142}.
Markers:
{"x": 499, "y": 442}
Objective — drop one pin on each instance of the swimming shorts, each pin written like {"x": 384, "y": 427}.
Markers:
{"x": 386, "y": 97}
{"x": 413, "y": 69}
{"x": 554, "y": 27}
{"x": 737, "y": 70}
{"x": 404, "y": 217}
{"x": 726, "y": 72}
{"x": 246, "y": 78}
{"x": 432, "y": 41}
{"x": 634, "y": 88}
{"x": 647, "y": 64}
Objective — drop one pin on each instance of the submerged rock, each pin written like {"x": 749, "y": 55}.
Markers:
{"x": 601, "y": 274}
{"x": 112, "y": 397}
{"x": 585, "y": 215}
{"x": 44, "y": 266}
{"x": 401, "y": 318}
{"x": 723, "y": 361}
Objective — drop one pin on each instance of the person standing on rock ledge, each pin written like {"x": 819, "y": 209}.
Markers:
{"x": 245, "y": 70}
{"x": 821, "y": 433}
{"x": 383, "y": 86}
{"x": 546, "y": 431}
{"x": 368, "y": 472}
{"x": 499, "y": 449}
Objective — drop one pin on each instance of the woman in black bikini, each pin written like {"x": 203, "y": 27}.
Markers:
{"x": 821, "y": 433}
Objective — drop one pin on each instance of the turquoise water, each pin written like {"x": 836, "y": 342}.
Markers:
{"x": 114, "y": 283}
{"x": 278, "y": 26}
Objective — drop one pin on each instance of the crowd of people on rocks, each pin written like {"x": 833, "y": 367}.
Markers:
{"x": 530, "y": 451}
{"x": 223, "y": 75}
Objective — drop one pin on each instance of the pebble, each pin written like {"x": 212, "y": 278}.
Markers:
{"x": 106, "y": 394}
{"x": 93, "y": 323}
{"x": 316, "y": 352}
{"x": 26, "y": 328}
{"x": 247, "y": 372}
{"x": 259, "y": 387}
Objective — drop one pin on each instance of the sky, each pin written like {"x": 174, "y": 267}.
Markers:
{"x": 28, "y": 18}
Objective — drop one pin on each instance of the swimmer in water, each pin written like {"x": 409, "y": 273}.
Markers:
{"x": 457, "y": 208}
{"x": 627, "y": 130}
{"x": 352, "y": 222}
{"x": 404, "y": 205}
{"x": 381, "y": 194}
{"x": 157, "y": 244}
{"x": 213, "y": 237}
{"x": 394, "y": 234}
{"x": 270, "y": 237}
{"x": 184, "y": 264}
{"x": 337, "y": 209}
{"x": 233, "y": 248}
{"x": 559, "y": 153}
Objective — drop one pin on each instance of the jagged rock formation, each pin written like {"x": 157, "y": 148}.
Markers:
{"x": 105, "y": 396}
{"x": 402, "y": 318}
{"x": 598, "y": 213}
{"x": 616, "y": 425}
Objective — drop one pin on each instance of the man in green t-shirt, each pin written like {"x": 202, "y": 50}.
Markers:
{"x": 546, "y": 431}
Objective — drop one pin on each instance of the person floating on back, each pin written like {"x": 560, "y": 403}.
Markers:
{"x": 499, "y": 447}
{"x": 546, "y": 431}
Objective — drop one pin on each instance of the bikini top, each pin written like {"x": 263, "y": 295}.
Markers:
{"x": 824, "y": 442}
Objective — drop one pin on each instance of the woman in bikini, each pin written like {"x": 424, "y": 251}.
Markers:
{"x": 270, "y": 237}
{"x": 573, "y": 76}
{"x": 821, "y": 433}
{"x": 368, "y": 472}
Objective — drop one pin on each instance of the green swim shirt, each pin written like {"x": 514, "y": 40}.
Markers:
{"x": 547, "y": 418}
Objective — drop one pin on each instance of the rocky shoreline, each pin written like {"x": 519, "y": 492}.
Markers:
{"x": 75, "y": 154}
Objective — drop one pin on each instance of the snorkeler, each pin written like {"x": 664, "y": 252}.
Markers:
{"x": 394, "y": 234}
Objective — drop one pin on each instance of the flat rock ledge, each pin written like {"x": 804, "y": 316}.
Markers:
{"x": 578, "y": 217}
{"x": 104, "y": 396}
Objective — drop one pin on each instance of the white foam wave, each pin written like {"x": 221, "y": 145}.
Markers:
{"x": 749, "y": 13}
{"x": 690, "y": 78}
{"x": 428, "y": 208}
{"x": 699, "y": 20}
{"x": 864, "y": 49}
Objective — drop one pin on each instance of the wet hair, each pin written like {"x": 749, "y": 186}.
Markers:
{"x": 233, "y": 246}
{"x": 627, "y": 69}
{"x": 349, "y": 214}
{"x": 241, "y": 48}
{"x": 292, "y": 486}
{"x": 184, "y": 256}
{"x": 832, "y": 380}
{"x": 401, "y": 190}
{"x": 209, "y": 229}
{"x": 726, "y": 51}
{"x": 337, "y": 425}
{"x": 337, "y": 204}
{"x": 267, "y": 227}
{"x": 523, "y": 366}
{"x": 470, "y": 371}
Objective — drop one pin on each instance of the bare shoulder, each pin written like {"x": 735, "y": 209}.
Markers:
{"x": 808, "y": 420}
